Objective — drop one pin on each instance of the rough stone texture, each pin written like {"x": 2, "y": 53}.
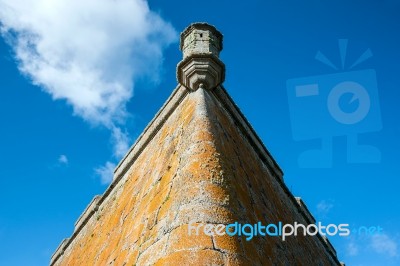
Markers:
{"x": 201, "y": 67}
{"x": 198, "y": 166}
{"x": 201, "y": 38}
{"x": 198, "y": 160}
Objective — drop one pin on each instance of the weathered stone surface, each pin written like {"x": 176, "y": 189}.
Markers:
{"x": 201, "y": 67}
{"x": 201, "y": 38}
{"x": 198, "y": 161}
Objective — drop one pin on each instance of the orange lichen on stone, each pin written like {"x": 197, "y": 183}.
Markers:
{"x": 198, "y": 167}
{"x": 198, "y": 162}
{"x": 193, "y": 257}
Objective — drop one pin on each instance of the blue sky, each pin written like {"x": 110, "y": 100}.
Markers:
{"x": 93, "y": 96}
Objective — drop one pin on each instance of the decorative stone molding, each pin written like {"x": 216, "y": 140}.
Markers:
{"x": 305, "y": 210}
{"x": 59, "y": 251}
{"x": 330, "y": 247}
{"x": 90, "y": 209}
{"x": 201, "y": 67}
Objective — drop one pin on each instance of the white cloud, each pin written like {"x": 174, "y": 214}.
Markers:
{"x": 362, "y": 245}
{"x": 120, "y": 141}
{"x": 383, "y": 244}
{"x": 106, "y": 172}
{"x": 352, "y": 249}
{"x": 88, "y": 53}
{"x": 63, "y": 159}
{"x": 323, "y": 207}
